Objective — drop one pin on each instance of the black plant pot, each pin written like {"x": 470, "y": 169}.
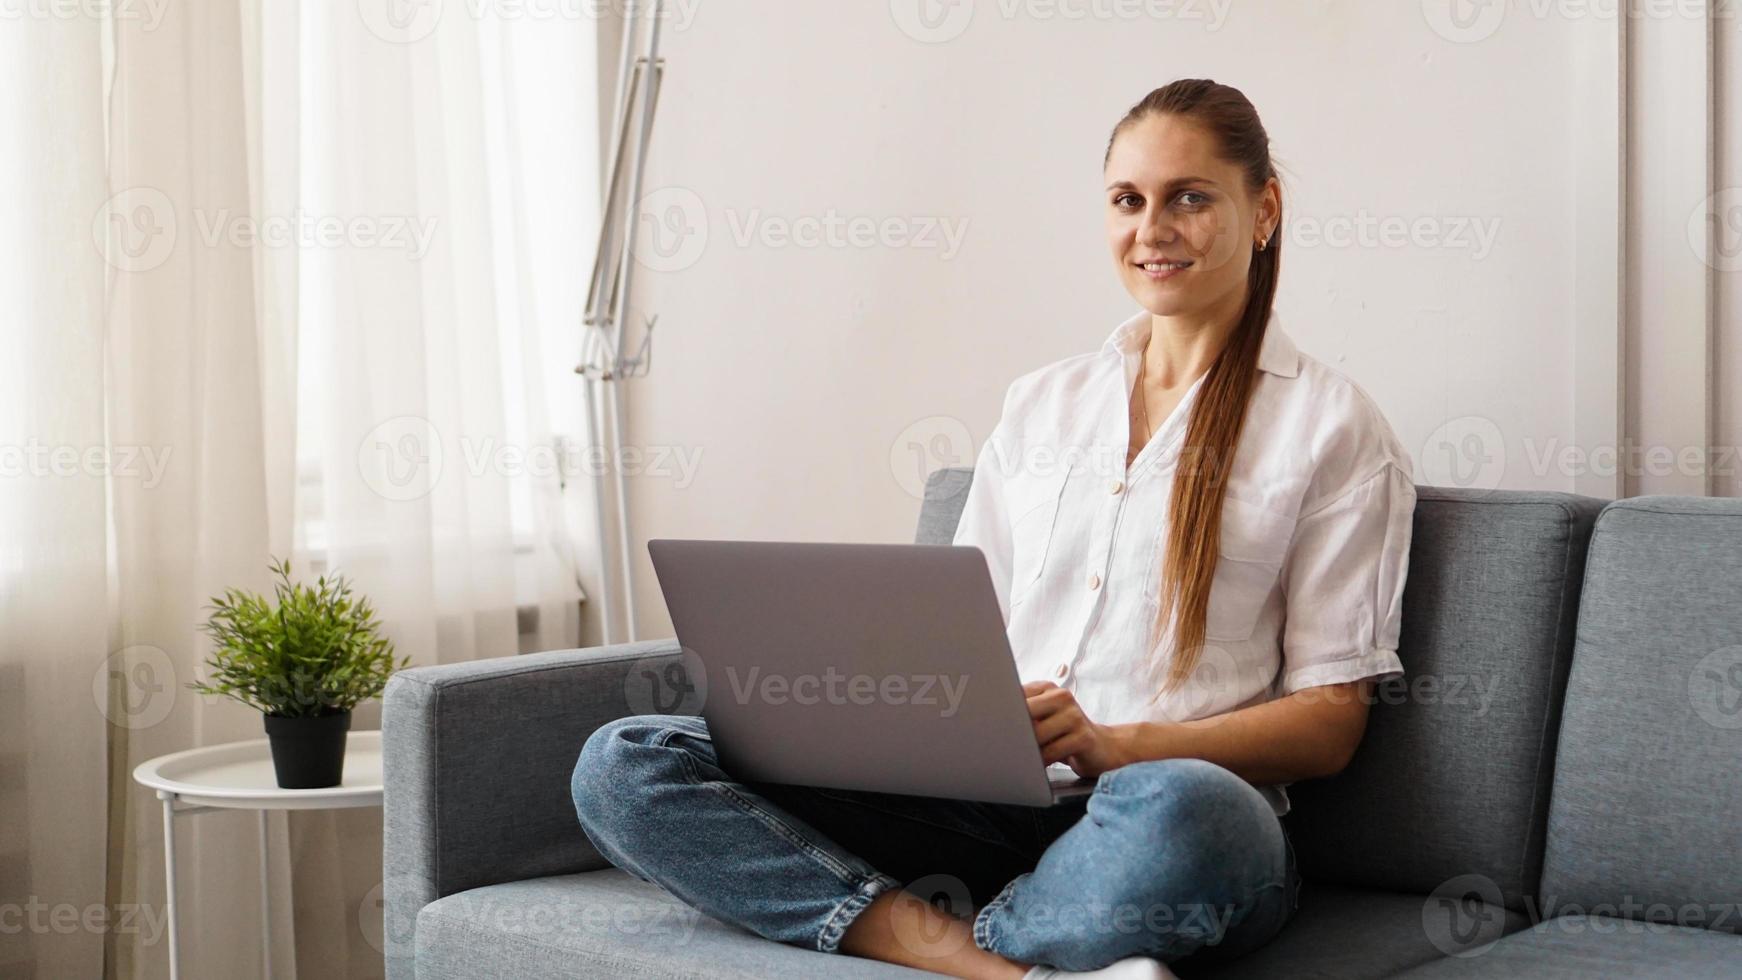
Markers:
{"x": 308, "y": 753}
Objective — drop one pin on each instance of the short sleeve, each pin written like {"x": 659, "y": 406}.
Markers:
{"x": 1343, "y": 581}
{"x": 985, "y": 520}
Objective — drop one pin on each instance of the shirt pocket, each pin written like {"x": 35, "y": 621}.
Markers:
{"x": 1034, "y": 509}
{"x": 1254, "y": 542}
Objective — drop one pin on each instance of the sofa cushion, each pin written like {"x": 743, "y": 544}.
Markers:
{"x": 606, "y": 924}
{"x": 609, "y": 923}
{"x": 1649, "y": 783}
{"x": 1451, "y": 780}
{"x": 1579, "y": 947}
{"x": 1342, "y": 933}
{"x": 946, "y": 491}
{"x": 472, "y": 799}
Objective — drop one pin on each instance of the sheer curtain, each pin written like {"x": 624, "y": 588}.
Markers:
{"x": 53, "y": 639}
{"x": 290, "y": 279}
{"x": 426, "y": 393}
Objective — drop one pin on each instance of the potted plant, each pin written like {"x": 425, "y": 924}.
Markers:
{"x": 304, "y": 660}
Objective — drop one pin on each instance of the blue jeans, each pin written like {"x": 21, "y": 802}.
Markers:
{"x": 1169, "y": 859}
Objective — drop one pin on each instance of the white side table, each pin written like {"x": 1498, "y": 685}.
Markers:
{"x": 239, "y": 776}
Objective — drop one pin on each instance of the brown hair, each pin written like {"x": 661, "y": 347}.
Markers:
{"x": 1214, "y": 427}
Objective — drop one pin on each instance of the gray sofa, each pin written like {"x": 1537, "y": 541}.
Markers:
{"x": 1553, "y": 790}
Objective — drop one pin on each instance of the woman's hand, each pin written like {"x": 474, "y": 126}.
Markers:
{"x": 1067, "y": 735}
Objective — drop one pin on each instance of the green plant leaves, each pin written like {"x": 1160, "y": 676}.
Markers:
{"x": 311, "y": 651}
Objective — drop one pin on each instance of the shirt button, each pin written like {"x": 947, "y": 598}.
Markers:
{"x": 1094, "y": 581}
{"x": 1061, "y": 671}
{"x": 1117, "y": 486}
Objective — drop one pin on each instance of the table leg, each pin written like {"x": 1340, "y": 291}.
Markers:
{"x": 169, "y": 882}
{"x": 265, "y": 905}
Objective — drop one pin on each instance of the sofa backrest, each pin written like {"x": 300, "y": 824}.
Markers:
{"x": 1449, "y": 790}
{"x": 946, "y": 491}
{"x": 1643, "y": 820}
{"x": 1451, "y": 782}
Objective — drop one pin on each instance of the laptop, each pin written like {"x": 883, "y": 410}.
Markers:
{"x": 881, "y": 667}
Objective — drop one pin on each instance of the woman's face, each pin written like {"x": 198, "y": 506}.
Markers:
{"x": 1180, "y": 220}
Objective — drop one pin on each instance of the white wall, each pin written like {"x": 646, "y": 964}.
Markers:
{"x": 796, "y": 374}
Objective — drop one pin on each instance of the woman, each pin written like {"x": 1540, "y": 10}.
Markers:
{"x": 1196, "y": 628}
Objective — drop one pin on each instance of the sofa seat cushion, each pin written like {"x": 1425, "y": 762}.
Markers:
{"x": 606, "y": 924}
{"x": 1575, "y": 947}
{"x": 1351, "y": 933}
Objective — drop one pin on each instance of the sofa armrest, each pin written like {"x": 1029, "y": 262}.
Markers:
{"x": 478, "y": 758}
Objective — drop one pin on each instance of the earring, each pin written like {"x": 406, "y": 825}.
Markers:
{"x": 1263, "y": 244}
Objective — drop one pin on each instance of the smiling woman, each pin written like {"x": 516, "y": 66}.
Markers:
{"x": 1193, "y": 204}
{"x": 1192, "y": 626}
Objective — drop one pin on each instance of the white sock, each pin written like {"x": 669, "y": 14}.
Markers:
{"x": 1133, "y": 968}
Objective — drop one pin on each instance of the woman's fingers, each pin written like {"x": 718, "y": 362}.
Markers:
{"x": 1060, "y": 726}
{"x": 1056, "y": 725}
{"x": 1062, "y": 748}
{"x": 1046, "y": 702}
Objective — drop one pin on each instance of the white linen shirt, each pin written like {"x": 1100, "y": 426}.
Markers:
{"x": 1315, "y": 535}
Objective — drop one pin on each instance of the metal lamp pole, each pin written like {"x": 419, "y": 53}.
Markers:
{"x": 603, "y": 365}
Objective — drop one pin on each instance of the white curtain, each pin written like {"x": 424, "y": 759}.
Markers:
{"x": 53, "y": 639}
{"x": 303, "y": 278}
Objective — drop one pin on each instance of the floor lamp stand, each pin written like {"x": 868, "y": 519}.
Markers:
{"x": 603, "y": 365}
